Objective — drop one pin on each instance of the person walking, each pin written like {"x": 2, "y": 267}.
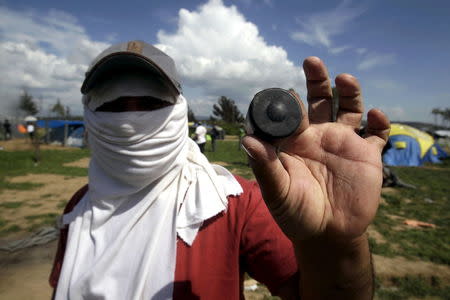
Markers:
{"x": 200, "y": 136}
{"x": 30, "y": 130}
{"x": 7, "y": 129}
{"x": 214, "y": 135}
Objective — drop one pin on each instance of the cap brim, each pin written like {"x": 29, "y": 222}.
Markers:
{"x": 122, "y": 62}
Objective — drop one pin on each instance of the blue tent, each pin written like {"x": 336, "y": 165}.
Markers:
{"x": 58, "y": 123}
{"x": 408, "y": 146}
{"x": 76, "y": 138}
{"x": 56, "y": 130}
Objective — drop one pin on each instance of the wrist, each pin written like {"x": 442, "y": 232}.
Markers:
{"x": 339, "y": 245}
{"x": 335, "y": 266}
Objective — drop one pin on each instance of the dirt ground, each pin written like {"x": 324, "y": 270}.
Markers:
{"x": 39, "y": 204}
{"x": 25, "y": 272}
{"x": 25, "y": 144}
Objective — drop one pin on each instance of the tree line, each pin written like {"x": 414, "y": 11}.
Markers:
{"x": 225, "y": 110}
{"x": 28, "y": 105}
{"x": 442, "y": 114}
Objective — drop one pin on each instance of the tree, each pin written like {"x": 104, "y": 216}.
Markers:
{"x": 27, "y": 104}
{"x": 227, "y": 110}
{"x": 435, "y": 112}
{"x": 446, "y": 116}
{"x": 58, "y": 109}
{"x": 191, "y": 116}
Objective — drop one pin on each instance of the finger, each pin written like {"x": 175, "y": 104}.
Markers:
{"x": 351, "y": 106}
{"x": 378, "y": 127}
{"x": 319, "y": 90}
{"x": 269, "y": 171}
{"x": 305, "y": 121}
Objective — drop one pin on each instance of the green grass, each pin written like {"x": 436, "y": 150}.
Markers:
{"x": 415, "y": 243}
{"x": 11, "y": 205}
{"x": 229, "y": 152}
{"x": 418, "y": 243}
{"x": 413, "y": 286}
{"x": 10, "y": 229}
{"x": 40, "y": 220}
{"x": 61, "y": 204}
{"x": 19, "y": 186}
{"x": 428, "y": 203}
{"x": 19, "y": 163}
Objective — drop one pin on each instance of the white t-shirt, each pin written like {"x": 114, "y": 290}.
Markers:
{"x": 200, "y": 131}
{"x": 30, "y": 128}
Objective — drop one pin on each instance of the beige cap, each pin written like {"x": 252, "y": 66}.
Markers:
{"x": 133, "y": 55}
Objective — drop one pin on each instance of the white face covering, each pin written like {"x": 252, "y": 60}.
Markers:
{"x": 135, "y": 148}
{"x": 148, "y": 183}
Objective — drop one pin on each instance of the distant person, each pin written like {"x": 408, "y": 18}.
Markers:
{"x": 7, "y": 129}
{"x": 200, "y": 136}
{"x": 214, "y": 135}
{"x": 240, "y": 137}
{"x": 30, "y": 130}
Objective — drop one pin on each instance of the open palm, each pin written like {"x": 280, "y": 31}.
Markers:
{"x": 325, "y": 180}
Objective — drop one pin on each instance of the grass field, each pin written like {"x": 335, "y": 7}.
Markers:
{"x": 26, "y": 204}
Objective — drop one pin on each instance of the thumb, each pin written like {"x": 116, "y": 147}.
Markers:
{"x": 268, "y": 169}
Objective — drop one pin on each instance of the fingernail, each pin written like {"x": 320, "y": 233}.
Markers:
{"x": 246, "y": 151}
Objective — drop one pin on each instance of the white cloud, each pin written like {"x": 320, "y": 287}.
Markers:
{"x": 360, "y": 50}
{"x": 338, "y": 50}
{"x": 395, "y": 113}
{"x": 386, "y": 84}
{"x": 372, "y": 60}
{"x": 249, "y": 2}
{"x": 47, "y": 54}
{"x": 217, "y": 50}
{"x": 318, "y": 29}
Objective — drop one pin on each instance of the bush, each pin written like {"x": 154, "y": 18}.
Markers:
{"x": 230, "y": 128}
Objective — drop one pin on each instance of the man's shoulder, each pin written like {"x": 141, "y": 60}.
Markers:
{"x": 251, "y": 194}
{"x": 246, "y": 183}
{"x": 76, "y": 198}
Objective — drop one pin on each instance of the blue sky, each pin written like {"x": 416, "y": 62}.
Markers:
{"x": 399, "y": 50}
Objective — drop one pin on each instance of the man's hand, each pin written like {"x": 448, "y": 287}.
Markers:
{"x": 326, "y": 179}
{"x": 322, "y": 185}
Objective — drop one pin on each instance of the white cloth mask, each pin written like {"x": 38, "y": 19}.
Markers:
{"x": 148, "y": 183}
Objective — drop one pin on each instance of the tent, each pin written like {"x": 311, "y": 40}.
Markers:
{"x": 408, "y": 146}
{"x": 58, "y": 123}
{"x": 76, "y": 139}
{"x": 57, "y": 131}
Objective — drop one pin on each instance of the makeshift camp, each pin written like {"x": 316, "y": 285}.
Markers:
{"x": 76, "y": 139}
{"x": 61, "y": 131}
{"x": 408, "y": 146}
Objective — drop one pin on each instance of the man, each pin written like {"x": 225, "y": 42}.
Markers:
{"x": 159, "y": 221}
{"x": 241, "y": 136}
{"x": 30, "y": 130}
{"x": 214, "y": 135}
{"x": 200, "y": 136}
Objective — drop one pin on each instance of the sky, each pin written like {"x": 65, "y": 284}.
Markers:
{"x": 398, "y": 49}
